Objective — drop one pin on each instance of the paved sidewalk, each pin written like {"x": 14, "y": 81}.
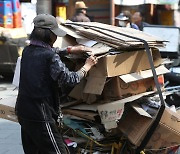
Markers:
{"x": 10, "y": 142}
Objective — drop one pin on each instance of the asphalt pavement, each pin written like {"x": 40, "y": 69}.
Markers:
{"x": 10, "y": 137}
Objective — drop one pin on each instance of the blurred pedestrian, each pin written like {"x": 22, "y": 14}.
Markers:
{"x": 137, "y": 18}
{"x": 80, "y": 12}
{"x": 124, "y": 20}
{"x": 42, "y": 71}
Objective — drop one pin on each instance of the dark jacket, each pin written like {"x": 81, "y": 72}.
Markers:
{"x": 40, "y": 70}
{"x": 142, "y": 25}
{"x": 134, "y": 26}
{"x": 80, "y": 17}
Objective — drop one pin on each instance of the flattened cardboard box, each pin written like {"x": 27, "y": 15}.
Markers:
{"x": 82, "y": 114}
{"x": 129, "y": 83}
{"x": 135, "y": 125}
{"x": 168, "y": 132}
{"x": 7, "y": 109}
{"x": 117, "y": 88}
{"x": 112, "y": 112}
{"x": 124, "y": 63}
{"x": 65, "y": 41}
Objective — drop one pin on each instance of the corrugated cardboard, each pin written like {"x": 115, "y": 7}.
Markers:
{"x": 90, "y": 99}
{"x": 168, "y": 132}
{"x": 79, "y": 94}
{"x": 77, "y": 91}
{"x": 95, "y": 85}
{"x": 117, "y": 88}
{"x": 135, "y": 126}
{"x": 124, "y": 63}
{"x": 65, "y": 41}
{"x": 82, "y": 114}
{"x": 7, "y": 106}
{"x": 143, "y": 74}
{"x": 126, "y": 85}
{"x": 111, "y": 112}
{"x": 85, "y": 107}
{"x": 71, "y": 32}
{"x": 114, "y": 36}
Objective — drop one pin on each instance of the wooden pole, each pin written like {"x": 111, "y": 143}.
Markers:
{"x": 112, "y": 12}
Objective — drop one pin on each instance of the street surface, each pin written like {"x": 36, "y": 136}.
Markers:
{"x": 10, "y": 141}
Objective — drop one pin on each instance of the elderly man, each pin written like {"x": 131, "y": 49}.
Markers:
{"x": 137, "y": 18}
{"x": 81, "y": 12}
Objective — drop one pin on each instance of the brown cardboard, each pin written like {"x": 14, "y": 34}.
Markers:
{"x": 91, "y": 99}
{"x": 85, "y": 107}
{"x": 117, "y": 88}
{"x": 65, "y": 41}
{"x": 164, "y": 136}
{"x": 124, "y": 63}
{"x": 82, "y": 114}
{"x": 7, "y": 109}
{"x": 77, "y": 91}
{"x": 71, "y": 103}
{"x": 171, "y": 118}
{"x": 143, "y": 74}
{"x": 115, "y": 37}
{"x": 135, "y": 127}
{"x": 71, "y": 32}
{"x": 168, "y": 132}
{"x": 111, "y": 112}
{"x": 95, "y": 85}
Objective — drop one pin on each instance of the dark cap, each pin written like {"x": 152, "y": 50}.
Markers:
{"x": 48, "y": 21}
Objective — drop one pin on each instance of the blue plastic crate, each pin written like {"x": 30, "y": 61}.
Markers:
{"x": 5, "y": 8}
{"x": 15, "y": 6}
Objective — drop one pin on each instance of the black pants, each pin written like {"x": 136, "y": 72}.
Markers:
{"x": 41, "y": 138}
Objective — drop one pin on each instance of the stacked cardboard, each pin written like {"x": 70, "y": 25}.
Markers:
{"x": 113, "y": 94}
{"x": 119, "y": 73}
{"x": 117, "y": 37}
{"x": 122, "y": 76}
{"x": 7, "y": 106}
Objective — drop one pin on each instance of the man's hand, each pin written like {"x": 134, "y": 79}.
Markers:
{"x": 91, "y": 61}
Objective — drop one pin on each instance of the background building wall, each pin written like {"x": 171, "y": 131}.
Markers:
{"x": 44, "y": 6}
